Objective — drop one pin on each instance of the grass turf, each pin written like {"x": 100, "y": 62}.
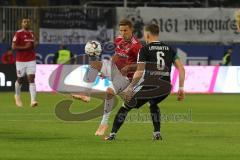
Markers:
{"x": 201, "y": 127}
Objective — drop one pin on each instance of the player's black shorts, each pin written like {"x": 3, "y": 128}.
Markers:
{"x": 152, "y": 90}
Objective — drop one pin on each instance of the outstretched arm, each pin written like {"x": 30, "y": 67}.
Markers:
{"x": 178, "y": 64}
{"x": 136, "y": 77}
{"x": 128, "y": 69}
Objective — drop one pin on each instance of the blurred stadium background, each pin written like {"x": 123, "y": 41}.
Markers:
{"x": 196, "y": 34}
{"x": 200, "y": 31}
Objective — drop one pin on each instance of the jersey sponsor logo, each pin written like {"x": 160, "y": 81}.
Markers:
{"x": 124, "y": 47}
{"x": 122, "y": 55}
{"x": 28, "y": 40}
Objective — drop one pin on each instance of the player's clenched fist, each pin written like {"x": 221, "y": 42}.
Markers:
{"x": 181, "y": 95}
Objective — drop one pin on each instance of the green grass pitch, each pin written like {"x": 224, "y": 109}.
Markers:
{"x": 201, "y": 127}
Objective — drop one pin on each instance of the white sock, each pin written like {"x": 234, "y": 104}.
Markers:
{"x": 113, "y": 134}
{"x": 105, "y": 118}
{"x": 107, "y": 110}
{"x": 155, "y": 133}
{"x": 17, "y": 88}
{"x": 33, "y": 93}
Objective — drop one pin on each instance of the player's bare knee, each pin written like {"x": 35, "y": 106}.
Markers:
{"x": 20, "y": 80}
{"x": 109, "y": 96}
{"x": 110, "y": 93}
{"x": 31, "y": 78}
{"x": 96, "y": 65}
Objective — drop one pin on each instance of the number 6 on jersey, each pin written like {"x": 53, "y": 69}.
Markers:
{"x": 160, "y": 60}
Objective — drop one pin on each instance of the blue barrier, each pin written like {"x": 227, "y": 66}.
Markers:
{"x": 212, "y": 52}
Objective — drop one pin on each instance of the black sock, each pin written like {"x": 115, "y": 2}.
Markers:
{"x": 119, "y": 119}
{"x": 156, "y": 118}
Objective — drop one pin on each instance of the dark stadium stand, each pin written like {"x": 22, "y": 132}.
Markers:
{"x": 132, "y": 3}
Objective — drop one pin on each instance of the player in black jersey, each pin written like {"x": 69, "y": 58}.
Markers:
{"x": 151, "y": 81}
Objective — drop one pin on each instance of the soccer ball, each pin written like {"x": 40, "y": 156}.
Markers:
{"x": 93, "y": 48}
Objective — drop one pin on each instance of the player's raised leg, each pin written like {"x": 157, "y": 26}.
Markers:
{"x": 90, "y": 77}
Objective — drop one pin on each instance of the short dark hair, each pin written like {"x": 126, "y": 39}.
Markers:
{"x": 21, "y": 20}
{"x": 126, "y": 22}
{"x": 152, "y": 28}
{"x": 25, "y": 17}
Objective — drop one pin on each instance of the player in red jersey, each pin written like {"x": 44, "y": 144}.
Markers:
{"x": 24, "y": 43}
{"x": 119, "y": 69}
